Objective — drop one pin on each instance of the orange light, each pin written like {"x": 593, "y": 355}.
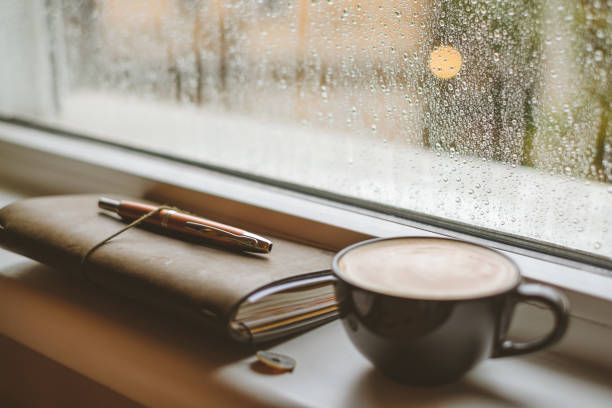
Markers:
{"x": 445, "y": 62}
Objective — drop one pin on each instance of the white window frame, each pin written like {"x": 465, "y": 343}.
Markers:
{"x": 41, "y": 161}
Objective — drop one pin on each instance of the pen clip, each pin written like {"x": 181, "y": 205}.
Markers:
{"x": 242, "y": 239}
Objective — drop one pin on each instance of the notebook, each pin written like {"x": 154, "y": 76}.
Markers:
{"x": 247, "y": 297}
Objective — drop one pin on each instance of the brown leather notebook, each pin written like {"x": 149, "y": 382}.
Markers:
{"x": 249, "y": 297}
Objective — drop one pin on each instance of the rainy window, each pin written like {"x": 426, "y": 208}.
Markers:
{"x": 491, "y": 114}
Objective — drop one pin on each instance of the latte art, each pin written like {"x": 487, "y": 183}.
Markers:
{"x": 428, "y": 268}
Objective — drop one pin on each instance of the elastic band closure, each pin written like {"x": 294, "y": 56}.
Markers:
{"x": 121, "y": 231}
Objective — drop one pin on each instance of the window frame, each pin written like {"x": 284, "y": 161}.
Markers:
{"x": 49, "y": 99}
{"x": 41, "y": 161}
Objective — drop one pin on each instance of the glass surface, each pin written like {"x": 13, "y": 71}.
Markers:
{"x": 495, "y": 114}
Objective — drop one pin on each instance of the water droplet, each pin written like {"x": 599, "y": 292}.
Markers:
{"x": 597, "y": 245}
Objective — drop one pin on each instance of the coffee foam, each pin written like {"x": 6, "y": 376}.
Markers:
{"x": 428, "y": 268}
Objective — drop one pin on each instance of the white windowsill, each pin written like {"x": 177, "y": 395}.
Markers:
{"x": 156, "y": 361}
{"x": 149, "y": 363}
{"x": 65, "y": 165}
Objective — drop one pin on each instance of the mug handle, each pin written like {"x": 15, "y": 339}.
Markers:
{"x": 558, "y": 304}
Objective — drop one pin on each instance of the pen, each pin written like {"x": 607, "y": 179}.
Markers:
{"x": 189, "y": 225}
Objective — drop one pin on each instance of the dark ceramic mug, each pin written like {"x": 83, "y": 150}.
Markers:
{"x": 435, "y": 341}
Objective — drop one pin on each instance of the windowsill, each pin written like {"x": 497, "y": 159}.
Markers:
{"x": 156, "y": 361}
{"x": 65, "y": 165}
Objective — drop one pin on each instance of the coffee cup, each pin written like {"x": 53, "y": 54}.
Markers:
{"x": 426, "y": 310}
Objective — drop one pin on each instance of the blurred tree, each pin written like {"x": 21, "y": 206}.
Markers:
{"x": 487, "y": 109}
{"x": 593, "y": 26}
{"x": 574, "y": 130}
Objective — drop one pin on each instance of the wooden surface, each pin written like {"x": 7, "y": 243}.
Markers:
{"x": 30, "y": 379}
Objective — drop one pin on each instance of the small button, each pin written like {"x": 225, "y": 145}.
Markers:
{"x": 276, "y": 361}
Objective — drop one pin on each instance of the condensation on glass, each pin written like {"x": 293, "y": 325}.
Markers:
{"x": 492, "y": 113}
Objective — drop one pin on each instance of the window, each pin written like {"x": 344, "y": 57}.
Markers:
{"x": 468, "y": 112}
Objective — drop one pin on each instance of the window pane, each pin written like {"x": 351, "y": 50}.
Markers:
{"x": 497, "y": 114}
